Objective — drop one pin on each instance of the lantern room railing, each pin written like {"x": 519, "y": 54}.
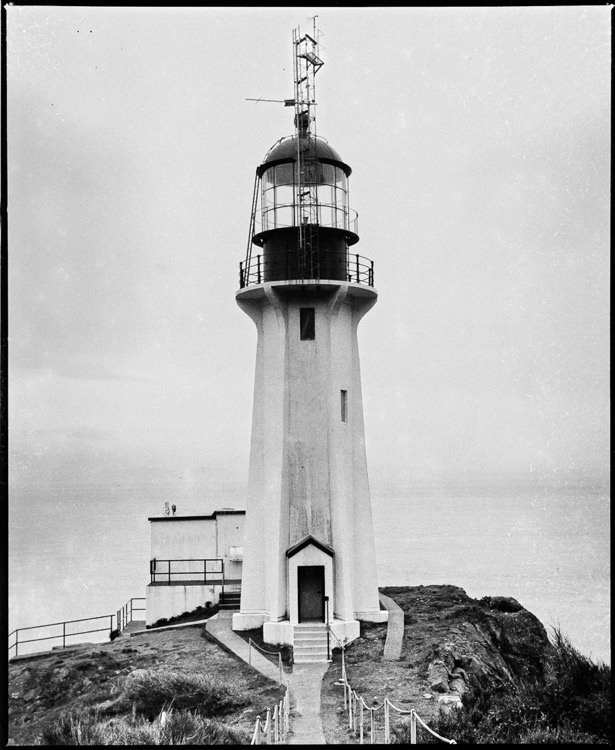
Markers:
{"x": 283, "y": 266}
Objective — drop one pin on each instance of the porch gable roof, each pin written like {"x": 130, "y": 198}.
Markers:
{"x": 309, "y": 539}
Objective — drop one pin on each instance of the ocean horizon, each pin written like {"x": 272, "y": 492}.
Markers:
{"x": 86, "y": 550}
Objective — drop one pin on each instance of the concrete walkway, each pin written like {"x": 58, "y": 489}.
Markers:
{"x": 219, "y": 626}
{"x": 395, "y": 629}
{"x": 305, "y": 684}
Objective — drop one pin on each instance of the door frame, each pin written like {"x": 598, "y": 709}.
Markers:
{"x": 321, "y": 570}
{"x": 308, "y": 551}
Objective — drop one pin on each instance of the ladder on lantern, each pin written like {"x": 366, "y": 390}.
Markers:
{"x": 307, "y": 64}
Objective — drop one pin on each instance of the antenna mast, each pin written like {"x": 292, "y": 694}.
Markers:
{"x": 306, "y": 64}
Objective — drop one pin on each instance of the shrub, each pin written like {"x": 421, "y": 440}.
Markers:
{"x": 574, "y": 705}
{"x": 170, "y": 728}
{"x": 148, "y": 691}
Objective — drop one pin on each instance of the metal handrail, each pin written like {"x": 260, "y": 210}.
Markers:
{"x": 168, "y": 575}
{"x": 63, "y": 635}
{"x": 356, "y": 268}
{"x": 123, "y": 618}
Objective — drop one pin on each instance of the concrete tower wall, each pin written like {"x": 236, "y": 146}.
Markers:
{"x": 308, "y": 469}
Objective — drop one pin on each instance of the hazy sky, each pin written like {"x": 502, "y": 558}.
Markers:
{"x": 479, "y": 142}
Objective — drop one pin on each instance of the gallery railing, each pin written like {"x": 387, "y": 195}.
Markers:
{"x": 287, "y": 266}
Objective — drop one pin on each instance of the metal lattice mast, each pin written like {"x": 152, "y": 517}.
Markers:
{"x": 306, "y": 65}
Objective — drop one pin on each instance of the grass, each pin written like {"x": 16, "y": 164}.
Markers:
{"x": 171, "y": 727}
{"x": 199, "y": 613}
{"x": 271, "y": 649}
{"x": 154, "y": 707}
{"x": 573, "y": 706}
{"x": 149, "y": 691}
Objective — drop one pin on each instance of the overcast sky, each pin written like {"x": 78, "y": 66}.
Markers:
{"x": 479, "y": 142}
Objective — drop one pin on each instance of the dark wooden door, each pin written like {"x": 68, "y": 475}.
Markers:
{"x": 311, "y": 585}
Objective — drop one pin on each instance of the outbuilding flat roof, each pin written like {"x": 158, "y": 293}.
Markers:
{"x": 198, "y": 518}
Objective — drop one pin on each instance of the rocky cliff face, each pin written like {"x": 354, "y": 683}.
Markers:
{"x": 470, "y": 644}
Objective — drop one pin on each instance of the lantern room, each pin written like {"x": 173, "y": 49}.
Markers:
{"x": 302, "y": 224}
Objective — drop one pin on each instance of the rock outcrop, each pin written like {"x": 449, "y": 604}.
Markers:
{"x": 475, "y": 644}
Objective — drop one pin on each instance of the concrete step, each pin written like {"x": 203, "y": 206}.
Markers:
{"x": 302, "y": 642}
{"x": 301, "y": 630}
{"x": 310, "y": 659}
{"x": 310, "y": 647}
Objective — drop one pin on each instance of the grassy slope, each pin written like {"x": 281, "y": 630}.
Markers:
{"x": 42, "y": 690}
{"x": 578, "y": 696}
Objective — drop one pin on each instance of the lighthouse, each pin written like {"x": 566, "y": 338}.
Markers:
{"x": 308, "y": 552}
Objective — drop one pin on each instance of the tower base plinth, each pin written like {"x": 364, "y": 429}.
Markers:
{"x": 244, "y": 621}
{"x": 373, "y": 616}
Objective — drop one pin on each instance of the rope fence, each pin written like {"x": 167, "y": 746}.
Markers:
{"x": 377, "y": 724}
{"x": 271, "y": 653}
{"x": 274, "y": 730}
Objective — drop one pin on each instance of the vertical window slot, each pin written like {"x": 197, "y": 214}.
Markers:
{"x": 307, "y": 316}
{"x": 344, "y": 405}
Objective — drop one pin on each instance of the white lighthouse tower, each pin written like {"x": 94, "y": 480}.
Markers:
{"x": 309, "y": 554}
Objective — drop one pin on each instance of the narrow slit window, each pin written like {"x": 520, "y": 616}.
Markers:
{"x": 307, "y": 316}
{"x": 344, "y": 405}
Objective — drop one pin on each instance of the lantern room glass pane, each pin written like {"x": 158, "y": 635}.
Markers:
{"x": 328, "y": 195}
{"x": 284, "y": 174}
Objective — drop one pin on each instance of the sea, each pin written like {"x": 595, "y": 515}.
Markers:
{"x": 82, "y": 550}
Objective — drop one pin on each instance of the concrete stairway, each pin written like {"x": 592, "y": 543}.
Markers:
{"x": 310, "y": 643}
{"x": 230, "y": 600}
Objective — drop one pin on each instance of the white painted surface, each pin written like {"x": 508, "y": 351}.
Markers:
{"x": 309, "y": 555}
{"x": 170, "y": 601}
{"x": 191, "y": 539}
{"x": 308, "y": 468}
{"x": 175, "y": 539}
{"x": 229, "y": 536}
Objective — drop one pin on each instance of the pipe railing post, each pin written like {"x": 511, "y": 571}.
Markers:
{"x": 63, "y": 635}
{"x": 328, "y": 626}
{"x": 361, "y": 722}
{"x": 258, "y": 267}
{"x": 349, "y": 707}
{"x": 268, "y": 727}
{"x": 412, "y": 728}
{"x": 387, "y": 738}
{"x": 372, "y": 727}
{"x": 250, "y": 651}
{"x": 17, "y": 642}
{"x": 257, "y": 731}
{"x": 357, "y": 257}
